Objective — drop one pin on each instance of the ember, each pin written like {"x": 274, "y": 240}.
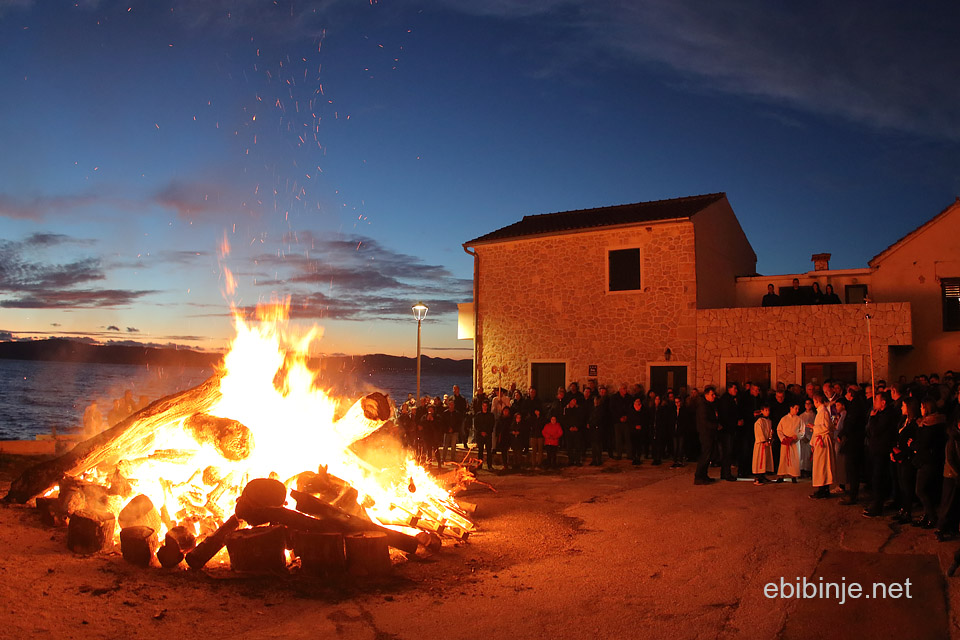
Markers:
{"x": 199, "y": 465}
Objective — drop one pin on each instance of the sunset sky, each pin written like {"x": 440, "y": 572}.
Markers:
{"x": 346, "y": 149}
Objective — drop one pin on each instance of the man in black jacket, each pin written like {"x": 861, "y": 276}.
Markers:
{"x": 852, "y": 441}
{"x": 730, "y": 416}
{"x": 483, "y": 423}
{"x": 707, "y": 425}
{"x": 620, "y": 405}
{"x": 881, "y": 436}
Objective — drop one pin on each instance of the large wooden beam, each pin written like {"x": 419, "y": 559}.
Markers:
{"x": 130, "y": 438}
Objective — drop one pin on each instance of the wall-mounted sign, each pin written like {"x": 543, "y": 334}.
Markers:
{"x": 592, "y": 370}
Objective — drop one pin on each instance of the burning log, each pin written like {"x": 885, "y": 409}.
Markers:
{"x": 176, "y": 543}
{"x": 131, "y": 437}
{"x": 367, "y": 553}
{"x": 430, "y": 541}
{"x": 212, "y": 544}
{"x": 76, "y": 495}
{"x": 316, "y": 507}
{"x": 90, "y": 531}
{"x": 137, "y": 545}
{"x": 331, "y": 490}
{"x": 258, "y": 551}
{"x": 139, "y": 512}
{"x": 321, "y": 554}
{"x": 230, "y": 438}
{"x": 376, "y": 406}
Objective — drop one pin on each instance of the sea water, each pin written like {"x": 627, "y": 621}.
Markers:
{"x": 36, "y": 397}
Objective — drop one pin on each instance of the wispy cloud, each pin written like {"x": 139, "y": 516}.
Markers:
{"x": 27, "y": 283}
{"x": 886, "y": 65}
{"x": 189, "y": 199}
{"x": 356, "y": 277}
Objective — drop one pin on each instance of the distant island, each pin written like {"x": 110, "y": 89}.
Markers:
{"x": 65, "y": 350}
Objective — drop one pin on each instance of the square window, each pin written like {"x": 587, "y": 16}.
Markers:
{"x": 950, "y": 289}
{"x": 624, "y": 269}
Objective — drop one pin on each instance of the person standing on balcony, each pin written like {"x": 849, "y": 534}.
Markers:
{"x": 829, "y": 297}
{"x": 771, "y": 299}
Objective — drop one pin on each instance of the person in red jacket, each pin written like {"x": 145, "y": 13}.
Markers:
{"x": 552, "y": 432}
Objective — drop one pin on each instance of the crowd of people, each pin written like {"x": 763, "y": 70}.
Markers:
{"x": 94, "y": 421}
{"x": 898, "y": 444}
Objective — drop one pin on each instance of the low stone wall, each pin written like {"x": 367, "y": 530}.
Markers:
{"x": 787, "y": 335}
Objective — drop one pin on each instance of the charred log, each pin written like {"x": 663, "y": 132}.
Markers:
{"x": 178, "y": 541}
{"x": 321, "y": 554}
{"x": 137, "y": 545}
{"x": 258, "y": 551}
{"x": 347, "y": 523}
{"x": 212, "y": 544}
{"x": 132, "y": 437}
{"x": 367, "y": 553}
{"x": 90, "y": 531}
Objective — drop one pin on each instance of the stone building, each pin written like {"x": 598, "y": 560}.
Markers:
{"x": 666, "y": 293}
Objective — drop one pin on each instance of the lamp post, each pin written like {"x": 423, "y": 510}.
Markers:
{"x": 419, "y": 312}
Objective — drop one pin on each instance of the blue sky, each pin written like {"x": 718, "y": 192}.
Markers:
{"x": 347, "y": 149}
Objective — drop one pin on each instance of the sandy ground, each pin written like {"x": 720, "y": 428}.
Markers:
{"x": 612, "y": 553}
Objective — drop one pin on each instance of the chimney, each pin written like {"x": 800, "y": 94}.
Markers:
{"x": 821, "y": 261}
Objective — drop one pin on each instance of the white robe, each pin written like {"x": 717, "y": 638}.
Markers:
{"x": 806, "y": 435}
{"x": 824, "y": 455}
{"x": 762, "y": 453}
{"x": 790, "y": 427}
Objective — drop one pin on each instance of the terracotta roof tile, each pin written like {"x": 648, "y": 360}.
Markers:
{"x": 640, "y": 212}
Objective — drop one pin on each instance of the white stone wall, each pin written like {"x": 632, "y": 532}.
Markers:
{"x": 545, "y": 299}
{"x": 788, "y": 333}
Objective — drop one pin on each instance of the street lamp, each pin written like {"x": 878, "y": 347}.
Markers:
{"x": 419, "y": 312}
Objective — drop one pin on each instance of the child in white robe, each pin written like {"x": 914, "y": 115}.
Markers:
{"x": 824, "y": 455}
{"x": 789, "y": 432}
{"x": 762, "y": 453}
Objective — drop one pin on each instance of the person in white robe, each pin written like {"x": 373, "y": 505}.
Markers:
{"x": 789, "y": 431}
{"x": 824, "y": 454}
{"x": 806, "y": 435}
{"x": 762, "y": 453}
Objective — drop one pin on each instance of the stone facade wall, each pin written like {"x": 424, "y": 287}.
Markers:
{"x": 789, "y": 333}
{"x": 545, "y": 299}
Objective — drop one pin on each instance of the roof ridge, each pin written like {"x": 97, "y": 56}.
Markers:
{"x": 626, "y": 204}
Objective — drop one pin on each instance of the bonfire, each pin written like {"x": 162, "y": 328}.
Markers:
{"x": 220, "y": 463}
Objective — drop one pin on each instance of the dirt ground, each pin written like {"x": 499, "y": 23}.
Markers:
{"x": 618, "y": 552}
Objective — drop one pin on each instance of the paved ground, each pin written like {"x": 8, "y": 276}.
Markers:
{"x": 615, "y": 553}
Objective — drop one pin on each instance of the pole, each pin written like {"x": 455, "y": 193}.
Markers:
{"x": 873, "y": 384}
{"x": 418, "y": 362}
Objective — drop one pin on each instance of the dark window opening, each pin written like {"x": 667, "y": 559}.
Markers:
{"x": 757, "y": 373}
{"x": 817, "y": 372}
{"x": 855, "y": 293}
{"x": 624, "y": 269}
{"x": 950, "y": 288}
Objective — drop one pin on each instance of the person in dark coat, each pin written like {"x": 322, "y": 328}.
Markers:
{"x": 948, "y": 514}
{"x": 483, "y": 425}
{"x": 665, "y": 423}
{"x": 574, "y": 424}
{"x": 594, "y": 430}
{"x": 852, "y": 442}
{"x": 881, "y": 436}
{"x": 771, "y": 299}
{"x": 620, "y": 405}
{"x": 635, "y": 419}
{"x": 651, "y": 410}
{"x": 708, "y": 424}
{"x": 504, "y": 424}
{"x": 903, "y": 452}
{"x": 794, "y": 295}
{"x": 731, "y": 422}
{"x": 929, "y": 460}
{"x": 816, "y": 295}
{"x": 829, "y": 297}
